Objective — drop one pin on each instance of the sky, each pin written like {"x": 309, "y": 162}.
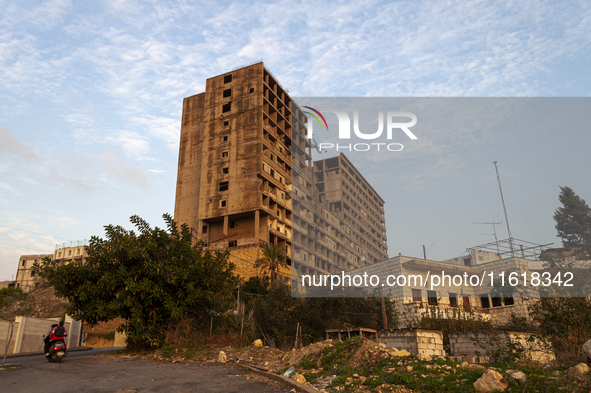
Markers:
{"x": 91, "y": 98}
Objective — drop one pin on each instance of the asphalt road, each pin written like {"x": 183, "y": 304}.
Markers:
{"x": 83, "y": 372}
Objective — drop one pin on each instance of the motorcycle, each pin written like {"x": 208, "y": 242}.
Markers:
{"x": 57, "y": 351}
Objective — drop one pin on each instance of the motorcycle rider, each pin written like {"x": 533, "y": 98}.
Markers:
{"x": 57, "y": 333}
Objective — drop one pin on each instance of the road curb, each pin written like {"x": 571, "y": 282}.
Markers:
{"x": 286, "y": 381}
{"x": 18, "y": 355}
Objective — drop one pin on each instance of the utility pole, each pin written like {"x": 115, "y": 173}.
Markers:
{"x": 505, "y": 210}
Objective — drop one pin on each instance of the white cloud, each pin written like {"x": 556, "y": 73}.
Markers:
{"x": 122, "y": 170}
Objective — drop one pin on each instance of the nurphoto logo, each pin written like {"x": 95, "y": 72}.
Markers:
{"x": 392, "y": 123}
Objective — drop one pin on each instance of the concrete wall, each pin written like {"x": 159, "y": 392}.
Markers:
{"x": 6, "y": 284}
{"x": 4, "y": 334}
{"x": 28, "y": 333}
{"x": 416, "y": 341}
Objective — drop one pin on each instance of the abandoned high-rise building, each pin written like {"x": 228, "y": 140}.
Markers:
{"x": 246, "y": 178}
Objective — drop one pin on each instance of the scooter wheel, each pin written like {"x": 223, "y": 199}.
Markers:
{"x": 58, "y": 359}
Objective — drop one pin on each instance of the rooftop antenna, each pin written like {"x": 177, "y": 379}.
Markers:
{"x": 505, "y": 210}
{"x": 494, "y": 232}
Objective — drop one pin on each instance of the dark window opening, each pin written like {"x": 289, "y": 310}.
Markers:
{"x": 467, "y": 262}
{"x": 204, "y": 229}
{"x": 496, "y": 302}
{"x": 232, "y": 243}
{"x": 509, "y": 301}
{"x": 226, "y": 123}
{"x": 227, "y": 93}
{"x": 432, "y": 298}
{"x": 23, "y": 263}
{"x": 416, "y": 295}
{"x": 227, "y": 107}
{"x": 251, "y": 90}
{"x": 225, "y": 171}
{"x": 453, "y": 300}
{"x": 223, "y": 203}
{"x": 484, "y": 302}
{"x": 232, "y": 224}
{"x": 227, "y": 78}
{"x": 224, "y": 154}
{"x": 224, "y": 186}
{"x": 32, "y": 273}
{"x": 225, "y": 138}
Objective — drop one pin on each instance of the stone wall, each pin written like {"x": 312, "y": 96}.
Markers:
{"x": 467, "y": 345}
{"x": 415, "y": 341}
{"x": 244, "y": 258}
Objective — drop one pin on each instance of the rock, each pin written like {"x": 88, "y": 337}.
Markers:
{"x": 424, "y": 357}
{"x": 579, "y": 370}
{"x": 222, "y": 357}
{"x": 490, "y": 381}
{"x": 520, "y": 375}
{"x": 408, "y": 369}
{"x": 299, "y": 378}
{"x": 401, "y": 353}
{"x": 289, "y": 372}
{"x": 587, "y": 350}
{"x": 257, "y": 343}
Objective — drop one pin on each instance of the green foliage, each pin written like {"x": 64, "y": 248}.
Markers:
{"x": 277, "y": 314}
{"x": 153, "y": 278}
{"x": 13, "y": 302}
{"x": 560, "y": 321}
{"x": 573, "y": 220}
{"x": 273, "y": 258}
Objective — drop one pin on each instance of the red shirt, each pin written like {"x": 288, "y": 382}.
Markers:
{"x": 52, "y": 336}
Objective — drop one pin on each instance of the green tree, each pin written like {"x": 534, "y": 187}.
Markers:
{"x": 153, "y": 279}
{"x": 273, "y": 258}
{"x": 573, "y": 220}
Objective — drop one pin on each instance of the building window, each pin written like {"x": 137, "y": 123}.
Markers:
{"x": 467, "y": 262}
{"x": 225, "y": 171}
{"x": 204, "y": 229}
{"x": 416, "y": 295}
{"x": 227, "y": 107}
{"x": 70, "y": 253}
{"x": 225, "y": 138}
{"x": 496, "y": 302}
{"x": 224, "y": 186}
{"x": 225, "y": 154}
{"x": 484, "y": 301}
{"x": 23, "y": 263}
{"x": 59, "y": 254}
{"x": 223, "y": 203}
{"x": 232, "y": 224}
{"x": 304, "y": 257}
{"x": 453, "y": 299}
{"x": 232, "y": 243}
{"x": 226, "y": 123}
{"x": 432, "y": 298}
{"x": 227, "y": 93}
{"x": 508, "y": 301}
{"x": 227, "y": 78}
{"x": 251, "y": 90}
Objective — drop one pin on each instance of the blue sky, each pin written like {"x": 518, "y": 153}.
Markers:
{"x": 91, "y": 95}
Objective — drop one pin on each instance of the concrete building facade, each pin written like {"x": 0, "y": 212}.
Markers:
{"x": 243, "y": 159}
{"x": 64, "y": 254}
